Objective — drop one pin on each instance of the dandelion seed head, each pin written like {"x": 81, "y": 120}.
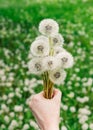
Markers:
{"x": 42, "y": 37}
{"x": 91, "y": 126}
{"x": 26, "y": 127}
{"x": 57, "y": 76}
{"x": 63, "y": 128}
{"x": 57, "y": 39}
{"x": 85, "y": 126}
{"x": 50, "y": 63}
{"x": 40, "y": 48}
{"x": 72, "y": 109}
{"x": 66, "y": 59}
{"x": 58, "y": 49}
{"x": 48, "y": 27}
{"x": 36, "y": 66}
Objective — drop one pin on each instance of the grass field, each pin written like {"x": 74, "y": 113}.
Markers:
{"x": 18, "y": 28}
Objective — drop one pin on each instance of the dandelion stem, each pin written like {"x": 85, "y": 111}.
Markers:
{"x": 48, "y": 86}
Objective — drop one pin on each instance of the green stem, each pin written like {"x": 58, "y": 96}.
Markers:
{"x": 48, "y": 86}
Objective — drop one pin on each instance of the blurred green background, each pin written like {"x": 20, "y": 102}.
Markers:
{"x": 19, "y": 22}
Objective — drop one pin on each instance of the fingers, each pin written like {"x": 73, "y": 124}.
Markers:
{"x": 35, "y": 98}
{"x": 57, "y": 94}
{"x": 40, "y": 97}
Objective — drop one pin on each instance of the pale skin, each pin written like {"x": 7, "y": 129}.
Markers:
{"x": 46, "y": 111}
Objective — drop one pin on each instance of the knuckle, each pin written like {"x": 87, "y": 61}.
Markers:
{"x": 34, "y": 98}
{"x": 30, "y": 104}
{"x": 60, "y": 93}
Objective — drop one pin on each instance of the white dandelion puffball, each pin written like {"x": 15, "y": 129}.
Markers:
{"x": 91, "y": 126}
{"x": 57, "y": 39}
{"x": 42, "y": 37}
{"x": 63, "y": 128}
{"x": 85, "y": 126}
{"x": 50, "y": 63}
{"x": 57, "y": 76}
{"x": 58, "y": 49}
{"x": 66, "y": 59}
{"x": 36, "y": 66}
{"x": 18, "y": 108}
{"x": 48, "y": 27}
{"x": 40, "y": 48}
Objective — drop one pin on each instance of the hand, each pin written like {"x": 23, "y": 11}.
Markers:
{"x": 46, "y": 111}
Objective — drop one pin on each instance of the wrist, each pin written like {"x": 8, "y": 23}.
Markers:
{"x": 51, "y": 127}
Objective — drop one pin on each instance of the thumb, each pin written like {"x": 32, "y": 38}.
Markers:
{"x": 57, "y": 95}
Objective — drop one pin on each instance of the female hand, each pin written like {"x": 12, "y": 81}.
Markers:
{"x": 46, "y": 111}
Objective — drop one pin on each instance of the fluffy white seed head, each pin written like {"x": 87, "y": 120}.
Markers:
{"x": 34, "y": 124}
{"x": 26, "y": 127}
{"x": 4, "y": 97}
{"x": 14, "y": 123}
{"x": 72, "y": 109}
{"x": 11, "y": 95}
{"x": 42, "y": 37}
{"x": 66, "y": 59}
{"x": 91, "y": 126}
{"x": 57, "y": 39}
{"x": 18, "y": 108}
{"x": 57, "y": 76}
{"x": 5, "y": 108}
{"x": 84, "y": 111}
{"x": 40, "y": 48}
{"x": 63, "y": 128}
{"x": 21, "y": 117}
{"x": 48, "y": 27}
{"x": 82, "y": 100}
{"x": 83, "y": 119}
{"x": 64, "y": 107}
{"x": 85, "y": 126}
{"x": 6, "y": 119}
{"x": 36, "y": 66}
{"x": 50, "y": 63}
{"x": 71, "y": 95}
{"x": 3, "y": 126}
{"x": 12, "y": 114}
{"x": 58, "y": 49}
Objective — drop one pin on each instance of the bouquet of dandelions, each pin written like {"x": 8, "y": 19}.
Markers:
{"x": 49, "y": 59}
